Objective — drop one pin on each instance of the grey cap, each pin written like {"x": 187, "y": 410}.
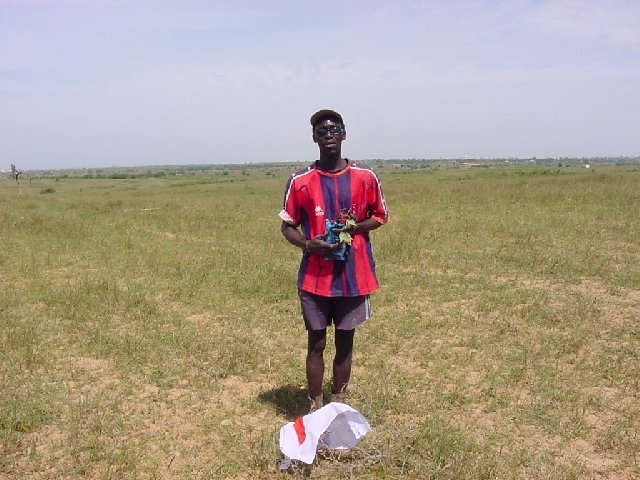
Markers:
{"x": 320, "y": 114}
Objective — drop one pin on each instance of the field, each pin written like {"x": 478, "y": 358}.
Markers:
{"x": 150, "y": 329}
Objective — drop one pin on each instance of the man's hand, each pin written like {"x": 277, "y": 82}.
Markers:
{"x": 318, "y": 246}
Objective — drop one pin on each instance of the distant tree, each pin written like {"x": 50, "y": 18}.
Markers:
{"x": 15, "y": 173}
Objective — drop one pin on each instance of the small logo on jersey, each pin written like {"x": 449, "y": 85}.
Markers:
{"x": 319, "y": 211}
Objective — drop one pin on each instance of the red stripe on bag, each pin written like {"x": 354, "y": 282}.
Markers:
{"x": 298, "y": 426}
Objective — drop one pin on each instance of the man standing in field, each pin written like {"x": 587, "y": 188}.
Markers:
{"x": 333, "y": 288}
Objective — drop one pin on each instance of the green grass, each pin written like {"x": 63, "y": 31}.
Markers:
{"x": 150, "y": 328}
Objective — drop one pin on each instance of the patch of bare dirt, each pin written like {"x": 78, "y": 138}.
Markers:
{"x": 583, "y": 452}
{"x": 407, "y": 365}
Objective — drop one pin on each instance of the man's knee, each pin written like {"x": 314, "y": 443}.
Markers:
{"x": 344, "y": 345}
{"x": 317, "y": 342}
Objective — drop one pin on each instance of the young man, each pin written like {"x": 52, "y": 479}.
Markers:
{"x": 332, "y": 290}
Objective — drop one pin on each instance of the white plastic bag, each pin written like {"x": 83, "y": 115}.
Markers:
{"x": 334, "y": 426}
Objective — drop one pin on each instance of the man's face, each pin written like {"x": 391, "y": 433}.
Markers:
{"x": 329, "y": 134}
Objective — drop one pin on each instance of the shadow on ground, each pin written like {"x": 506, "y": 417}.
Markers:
{"x": 289, "y": 400}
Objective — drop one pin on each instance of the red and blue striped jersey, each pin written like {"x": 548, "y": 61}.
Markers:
{"x": 313, "y": 195}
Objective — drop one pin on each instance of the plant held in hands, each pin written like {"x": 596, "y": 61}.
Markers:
{"x": 348, "y": 220}
{"x": 338, "y": 231}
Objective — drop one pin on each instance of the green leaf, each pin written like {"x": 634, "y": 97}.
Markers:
{"x": 345, "y": 237}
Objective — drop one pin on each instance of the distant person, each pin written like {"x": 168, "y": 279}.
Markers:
{"x": 334, "y": 280}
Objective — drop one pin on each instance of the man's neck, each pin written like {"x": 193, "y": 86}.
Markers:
{"x": 332, "y": 163}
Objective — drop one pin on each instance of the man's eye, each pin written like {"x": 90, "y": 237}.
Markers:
{"x": 324, "y": 130}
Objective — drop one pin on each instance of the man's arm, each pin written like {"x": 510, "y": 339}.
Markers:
{"x": 293, "y": 235}
{"x": 364, "y": 226}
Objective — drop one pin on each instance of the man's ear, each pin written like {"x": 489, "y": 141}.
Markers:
{"x": 315, "y": 139}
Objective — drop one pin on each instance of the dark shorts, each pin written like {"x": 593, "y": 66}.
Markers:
{"x": 345, "y": 312}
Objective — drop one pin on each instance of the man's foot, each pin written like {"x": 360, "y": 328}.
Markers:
{"x": 339, "y": 397}
{"x": 316, "y": 403}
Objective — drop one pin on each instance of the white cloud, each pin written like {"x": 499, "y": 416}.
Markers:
{"x": 612, "y": 21}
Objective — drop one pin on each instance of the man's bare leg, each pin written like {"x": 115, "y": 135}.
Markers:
{"x": 316, "y": 343}
{"x": 342, "y": 363}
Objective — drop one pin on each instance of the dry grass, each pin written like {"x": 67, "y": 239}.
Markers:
{"x": 150, "y": 329}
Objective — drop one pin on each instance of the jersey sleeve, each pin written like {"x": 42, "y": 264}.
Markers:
{"x": 377, "y": 204}
{"x": 290, "y": 212}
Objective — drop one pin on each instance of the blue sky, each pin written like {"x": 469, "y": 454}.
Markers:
{"x": 122, "y": 83}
